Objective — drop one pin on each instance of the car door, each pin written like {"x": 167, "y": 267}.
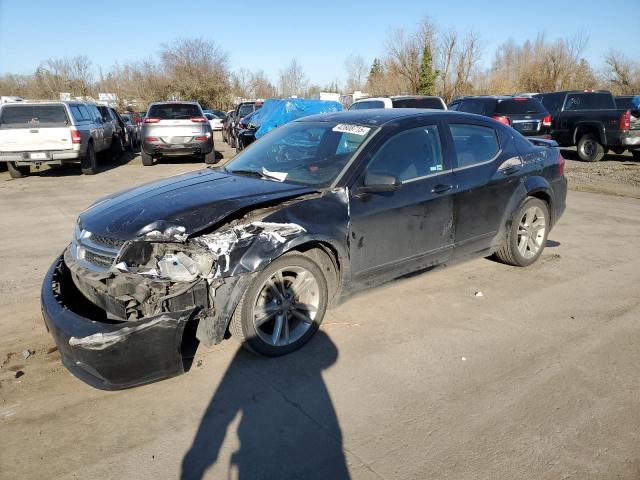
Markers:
{"x": 411, "y": 227}
{"x": 487, "y": 173}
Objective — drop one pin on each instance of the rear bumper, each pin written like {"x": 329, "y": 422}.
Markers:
{"x": 110, "y": 356}
{"x": 632, "y": 139}
{"x": 166, "y": 149}
{"x": 23, "y": 158}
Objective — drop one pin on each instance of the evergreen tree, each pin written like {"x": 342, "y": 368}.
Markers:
{"x": 375, "y": 72}
{"x": 427, "y": 80}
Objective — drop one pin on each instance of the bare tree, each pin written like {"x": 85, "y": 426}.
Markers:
{"x": 357, "y": 71}
{"x": 293, "y": 80}
{"x": 622, "y": 74}
{"x": 197, "y": 69}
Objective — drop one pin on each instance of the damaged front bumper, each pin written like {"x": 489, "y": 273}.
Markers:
{"x": 112, "y": 355}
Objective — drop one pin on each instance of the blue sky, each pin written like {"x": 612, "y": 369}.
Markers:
{"x": 267, "y": 34}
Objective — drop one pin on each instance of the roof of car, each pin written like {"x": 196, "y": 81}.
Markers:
{"x": 376, "y": 116}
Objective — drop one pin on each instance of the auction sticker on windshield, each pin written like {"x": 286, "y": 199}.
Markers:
{"x": 355, "y": 129}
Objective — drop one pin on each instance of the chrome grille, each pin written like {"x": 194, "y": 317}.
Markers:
{"x": 95, "y": 252}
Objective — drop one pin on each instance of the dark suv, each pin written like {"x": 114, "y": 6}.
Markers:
{"x": 242, "y": 110}
{"x": 527, "y": 115}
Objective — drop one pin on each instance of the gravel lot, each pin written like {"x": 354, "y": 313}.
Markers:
{"x": 418, "y": 379}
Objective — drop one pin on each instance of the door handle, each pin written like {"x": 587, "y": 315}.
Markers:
{"x": 511, "y": 170}
{"x": 440, "y": 188}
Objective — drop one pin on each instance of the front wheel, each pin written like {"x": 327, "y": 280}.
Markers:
{"x": 589, "y": 148}
{"x": 282, "y": 308}
{"x": 527, "y": 235}
{"x": 17, "y": 172}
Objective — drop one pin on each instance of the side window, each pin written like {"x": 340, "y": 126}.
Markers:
{"x": 454, "y": 106}
{"x": 411, "y": 154}
{"x": 472, "y": 106}
{"x": 77, "y": 115}
{"x": 474, "y": 144}
{"x": 85, "y": 113}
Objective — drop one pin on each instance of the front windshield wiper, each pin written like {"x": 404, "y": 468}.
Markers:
{"x": 248, "y": 173}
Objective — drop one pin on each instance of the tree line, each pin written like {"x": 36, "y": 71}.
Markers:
{"x": 424, "y": 60}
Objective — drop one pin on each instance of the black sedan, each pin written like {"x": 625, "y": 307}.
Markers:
{"x": 317, "y": 209}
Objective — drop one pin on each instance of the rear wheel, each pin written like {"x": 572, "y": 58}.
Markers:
{"x": 16, "y": 171}
{"x": 282, "y": 308}
{"x": 147, "y": 160}
{"x": 89, "y": 164}
{"x": 589, "y": 148}
{"x": 528, "y": 234}
{"x": 117, "y": 147}
{"x": 210, "y": 158}
{"x": 636, "y": 154}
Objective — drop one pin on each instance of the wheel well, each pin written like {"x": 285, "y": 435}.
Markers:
{"x": 546, "y": 198}
{"x": 327, "y": 258}
{"x": 583, "y": 129}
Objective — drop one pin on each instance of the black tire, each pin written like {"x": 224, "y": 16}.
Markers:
{"x": 589, "y": 148}
{"x": 210, "y": 158}
{"x": 242, "y": 326}
{"x": 232, "y": 141}
{"x": 16, "y": 171}
{"x": 117, "y": 147}
{"x": 224, "y": 137}
{"x": 147, "y": 160}
{"x": 636, "y": 154}
{"x": 509, "y": 253}
{"x": 89, "y": 163}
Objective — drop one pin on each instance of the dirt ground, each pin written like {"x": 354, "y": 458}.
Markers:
{"x": 535, "y": 379}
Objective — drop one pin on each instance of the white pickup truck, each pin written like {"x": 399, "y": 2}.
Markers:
{"x": 38, "y": 133}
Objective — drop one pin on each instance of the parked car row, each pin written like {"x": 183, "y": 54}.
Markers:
{"x": 231, "y": 124}
{"x": 57, "y": 132}
{"x": 592, "y": 121}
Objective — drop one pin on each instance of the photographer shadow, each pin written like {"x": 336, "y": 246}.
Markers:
{"x": 288, "y": 428}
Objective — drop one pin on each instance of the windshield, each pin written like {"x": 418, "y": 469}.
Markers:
{"x": 307, "y": 153}
{"x": 366, "y": 105}
{"x": 245, "y": 109}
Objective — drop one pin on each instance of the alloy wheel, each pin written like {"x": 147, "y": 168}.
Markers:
{"x": 286, "y": 306}
{"x": 531, "y": 232}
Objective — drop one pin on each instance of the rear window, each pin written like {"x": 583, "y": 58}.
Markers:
{"x": 418, "y": 103}
{"x": 245, "y": 109}
{"x": 519, "y": 106}
{"x": 479, "y": 106}
{"x": 589, "y": 101}
{"x": 366, "y": 105}
{"x": 29, "y": 116}
{"x": 174, "y": 111}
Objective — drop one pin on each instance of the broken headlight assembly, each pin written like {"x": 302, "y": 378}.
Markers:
{"x": 171, "y": 261}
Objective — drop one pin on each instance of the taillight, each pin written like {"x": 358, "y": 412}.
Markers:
{"x": 546, "y": 121}
{"x": 502, "y": 119}
{"x": 202, "y": 138}
{"x": 625, "y": 121}
{"x": 561, "y": 163}
{"x": 198, "y": 119}
{"x": 151, "y": 139}
{"x": 151, "y": 120}
{"x": 75, "y": 136}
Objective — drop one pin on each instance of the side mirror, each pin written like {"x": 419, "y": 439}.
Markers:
{"x": 375, "y": 182}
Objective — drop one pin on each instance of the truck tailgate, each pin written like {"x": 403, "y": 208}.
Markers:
{"x": 35, "y": 139}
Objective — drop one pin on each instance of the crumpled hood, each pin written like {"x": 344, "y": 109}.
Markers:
{"x": 185, "y": 203}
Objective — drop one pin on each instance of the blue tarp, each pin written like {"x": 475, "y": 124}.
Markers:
{"x": 277, "y": 112}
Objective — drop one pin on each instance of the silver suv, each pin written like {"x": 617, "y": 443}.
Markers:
{"x": 176, "y": 129}
{"x": 51, "y": 133}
